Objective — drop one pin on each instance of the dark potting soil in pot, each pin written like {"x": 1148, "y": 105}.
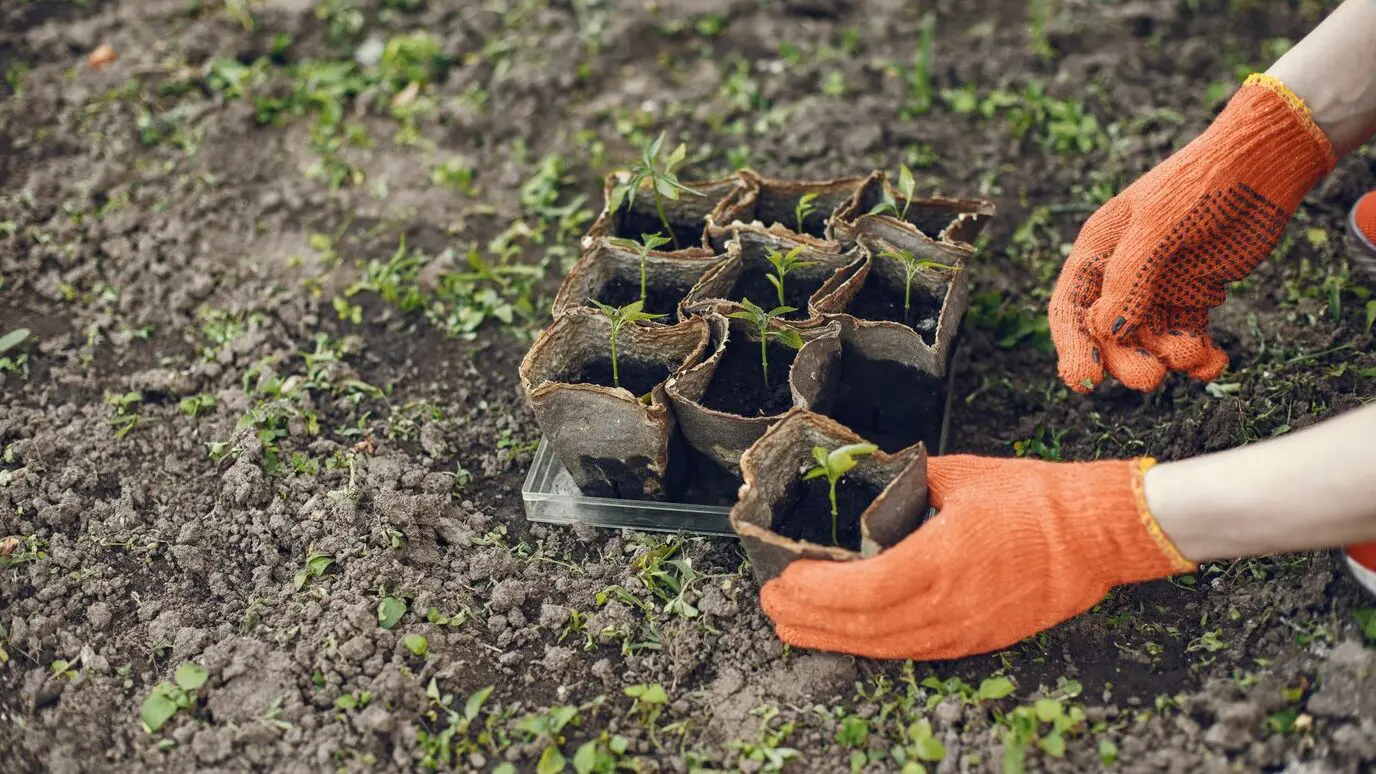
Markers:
{"x": 738, "y": 387}
{"x": 638, "y": 376}
{"x": 891, "y": 404}
{"x": 659, "y": 299}
{"x": 805, "y": 512}
{"x": 880, "y": 300}
{"x": 632, "y": 224}
{"x": 930, "y": 221}
{"x": 755, "y": 285}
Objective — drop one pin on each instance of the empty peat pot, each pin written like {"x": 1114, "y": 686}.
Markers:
{"x": 609, "y": 272}
{"x": 933, "y": 228}
{"x": 745, "y": 271}
{"x": 688, "y": 215}
{"x": 780, "y": 517}
{"x": 723, "y": 403}
{"x": 614, "y": 441}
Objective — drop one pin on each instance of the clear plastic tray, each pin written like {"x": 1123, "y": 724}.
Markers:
{"x": 551, "y": 497}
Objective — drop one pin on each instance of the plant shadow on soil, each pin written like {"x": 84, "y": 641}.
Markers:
{"x": 805, "y": 511}
{"x": 634, "y": 222}
{"x": 659, "y": 298}
{"x": 737, "y": 386}
{"x": 638, "y": 376}
{"x": 882, "y": 300}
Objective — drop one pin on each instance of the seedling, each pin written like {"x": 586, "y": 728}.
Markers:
{"x": 834, "y": 464}
{"x": 911, "y": 265}
{"x": 663, "y": 182}
{"x": 762, "y": 321}
{"x": 389, "y": 611}
{"x": 805, "y": 208}
{"x": 907, "y": 185}
{"x": 647, "y": 243}
{"x": 784, "y": 264}
{"x": 618, "y": 317}
{"x": 167, "y": 698}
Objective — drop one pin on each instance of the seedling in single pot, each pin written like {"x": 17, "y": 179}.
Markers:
{"x": 647, "y": 243}
{"x": 663, "y": 182}
{"x": 761, "y": 320}
{"x": 783, "y": 264}
{"x": 907, "y": 185}
{"x": 834, "y": 464}
{"x": 806, "y": 207}
{"x": 911, "y": 265}
{"x": 618, "y": 317}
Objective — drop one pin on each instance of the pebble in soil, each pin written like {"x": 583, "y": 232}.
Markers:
{"x": 805, "y": 511}
{"x": 879, "y": 299}
{"x": 659, "y": 299}
{"x": 632, "y": 223}
{"x": 888, "y": 403}
{"x": 737, "y": 386}
{"x": 638, "y": 376}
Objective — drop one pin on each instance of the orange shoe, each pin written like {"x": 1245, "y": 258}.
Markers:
{"x": 1361, "y": 232}
{"x": 1361, "y": 560}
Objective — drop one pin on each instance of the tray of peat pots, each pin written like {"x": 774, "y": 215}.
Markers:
{"x": 816, "y": 490}
{"x": 652, "y": 200}
{"x": 901, "y": 318}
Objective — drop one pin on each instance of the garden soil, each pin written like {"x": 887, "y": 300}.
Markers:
{"x": 235, "y": 363}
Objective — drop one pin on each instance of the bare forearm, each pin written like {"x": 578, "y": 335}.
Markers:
{"x": 1311, "y": 490}
{"x": 1334, "y": 70}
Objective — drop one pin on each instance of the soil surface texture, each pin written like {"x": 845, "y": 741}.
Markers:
{"x": 738, "y": 386}
{"x": 754, "y": 284}
{"x": 888, "y": 403}
{"x": 279, "y": 261}
{"x": 881, "y": 300}
{"x": 805, "y": 513}
{"x": 637, "y": 376}
{"x": 659, "y": 299}
{"x": 636, "y": 223}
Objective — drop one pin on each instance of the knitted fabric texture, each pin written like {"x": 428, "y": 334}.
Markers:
{"x": 1364, "y": 216}
{"x": 1017, "y": 546}
{"x": 1135, "y": 293}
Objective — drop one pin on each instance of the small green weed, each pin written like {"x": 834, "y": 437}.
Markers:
{"x": 166, "y": 698}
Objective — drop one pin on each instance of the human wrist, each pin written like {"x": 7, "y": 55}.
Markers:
{"x": 1268, "y": 127}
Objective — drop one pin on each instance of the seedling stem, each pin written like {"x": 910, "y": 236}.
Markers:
{"x": 647, "y": 243}
{"x": 911, "y": 265}
{"x": 663, "y": 182}
{"x": 763, "y": 321}
{"x": 618, "y": 317}
{"x": 834, "y": 464}
{"x": 784, "y": 263}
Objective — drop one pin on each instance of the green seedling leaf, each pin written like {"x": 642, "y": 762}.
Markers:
{"x": 854, "y": 731}
{"x": 551, "y": 761}
{"x": 190, "y": 676}
{"x": 1054, "y": 744}
{"x": 389, "y": 611}
{"x": 649, "y": 694}
{"x": 1370, "y": 318}
{"x": 618, "y": 318}
{"x": 157, "y": 709}
{"x": 784, "y": 264}
{"x": 475, "y": 702}
{"x": 13, "y": 339}
{"x": 417, "y": 644}
{"x": 994, "y": 688}
{"x": 1366, "y": 618}
{"x": 766, "y": 329}
{"x": 1108, "y": 752}
{"x": 834, "y": 464}
{"x": 790, "y": 338}
{"x": 1048, "y": 710}
{"x": 805, "y": 208}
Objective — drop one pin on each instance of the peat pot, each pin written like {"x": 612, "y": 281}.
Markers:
{"x": 614, "y": 441}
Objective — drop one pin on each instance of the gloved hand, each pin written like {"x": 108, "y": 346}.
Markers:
{"x": 1134, "y": 295}
{"x": 1016, "y": 547}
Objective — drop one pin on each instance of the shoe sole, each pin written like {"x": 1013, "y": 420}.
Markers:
{"x": 1363, "y": 251}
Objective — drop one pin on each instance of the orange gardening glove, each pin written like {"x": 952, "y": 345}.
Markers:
{"x": 1135, "y": 293}
{"x": 1017, "y": 546}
